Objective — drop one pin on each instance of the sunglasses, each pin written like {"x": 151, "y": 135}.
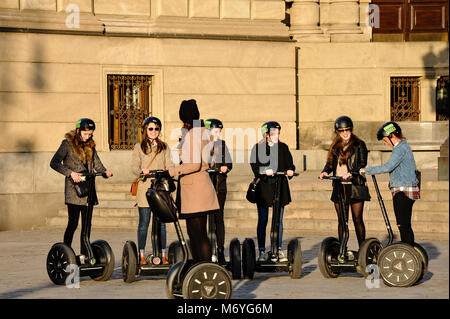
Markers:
{"x": 153, "y": 128}
{"x": 342, "y": 130}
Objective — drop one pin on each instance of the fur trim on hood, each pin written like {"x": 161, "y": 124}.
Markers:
{"x": 84, "y": 151}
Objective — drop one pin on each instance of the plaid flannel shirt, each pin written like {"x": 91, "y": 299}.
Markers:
{"x": 412, "y": 192}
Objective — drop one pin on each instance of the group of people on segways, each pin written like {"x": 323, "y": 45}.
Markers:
{"x": 200, "y": 200}
{"x": 401, "y": 264}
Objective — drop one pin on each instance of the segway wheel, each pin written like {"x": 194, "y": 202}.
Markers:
{"x": 424, "y": 258}
{"x": 399, "y": 265}
{"x": 295, "y": 258}
{"x": 368, "y": 254}
{"x": 248, "y": 258}
{"x": 104, "y": 255}
{"x": 328, "y": 251}
{"x": 129, "y": 262}
{"x": 207, "y": 281}
{"x": 59, "y": 258}
{"x": 175, "y": 254}
{"x": 235, "y": 258}
{"x": 171, "y": 281}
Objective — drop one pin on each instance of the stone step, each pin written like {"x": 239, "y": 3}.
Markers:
{"x": 297, "y": 210}
{"x": 439, "y": 196}
{"x": 246, "y": 223}
{"x": 306, "y": 199}
{"x": 311, "y": 185}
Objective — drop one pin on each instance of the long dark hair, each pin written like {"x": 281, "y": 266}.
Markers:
{"x": 341, "y": 149}
{"x": 146, "y": 143}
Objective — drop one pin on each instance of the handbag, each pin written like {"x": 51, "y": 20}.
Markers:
{"x": 418, "y": 176}
{"x": 134, "y": 185}
{"x": 82, "y": 188}
{"x": 251, "y": 192}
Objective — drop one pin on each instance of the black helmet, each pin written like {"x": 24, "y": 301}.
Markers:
{"x": 343, "y": 122}
{"x": 266, "y": 127}
{"x": 213, "y": 123}
{"x": 151, "y": 119}
{"x": 85, "y": 124}
{"x": 387, "y": 128}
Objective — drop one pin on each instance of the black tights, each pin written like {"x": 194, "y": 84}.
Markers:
{"x": 357, "y": 217}
{"x": 86, "y": 218}
{"x": 200, "y": 245}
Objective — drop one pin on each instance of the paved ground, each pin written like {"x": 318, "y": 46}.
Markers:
{"x": 23, "y": 274}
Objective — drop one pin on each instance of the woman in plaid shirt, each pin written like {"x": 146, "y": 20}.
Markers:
{"x": 402, "y": 177}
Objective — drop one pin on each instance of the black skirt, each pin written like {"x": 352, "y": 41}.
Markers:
{"x": 347, "y": 195}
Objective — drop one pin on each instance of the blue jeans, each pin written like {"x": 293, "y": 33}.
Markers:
{"x": 144, "y": 221}
{"x": 263, "y": 216}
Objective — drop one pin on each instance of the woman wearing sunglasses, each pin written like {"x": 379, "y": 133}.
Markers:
{"x": 150, "y": 154}
{"x": 346, "y": 156}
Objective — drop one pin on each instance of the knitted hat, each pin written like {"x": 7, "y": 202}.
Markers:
{"x": 189, "y": 111}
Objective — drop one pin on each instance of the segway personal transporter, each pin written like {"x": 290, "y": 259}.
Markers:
{"x": 334, "y": 257}
{"x": 99, "y": 262}
{"x": 399, "y": 264}
{"x": 185, "y": 278}
{"x": 130, "y": 262}
{"x": 273, "y": 264}
{"x": 234, "y": 265}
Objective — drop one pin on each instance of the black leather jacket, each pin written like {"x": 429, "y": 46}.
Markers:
{"x": 356, "y": 161}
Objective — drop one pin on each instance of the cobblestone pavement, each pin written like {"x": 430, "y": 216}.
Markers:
{"x": 23, "y": 273}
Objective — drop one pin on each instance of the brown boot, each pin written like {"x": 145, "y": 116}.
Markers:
{"x": 143, "y": 261}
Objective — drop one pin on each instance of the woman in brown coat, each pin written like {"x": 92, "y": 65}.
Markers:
{"x": 197, "y": 195}
{"x": 77, "y": 154}
{"x": 150, "y": 154}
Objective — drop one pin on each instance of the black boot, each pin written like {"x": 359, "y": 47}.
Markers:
{"x": 220, "y": 255}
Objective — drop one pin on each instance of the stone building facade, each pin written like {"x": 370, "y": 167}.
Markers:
{"x": 300, "y": 62}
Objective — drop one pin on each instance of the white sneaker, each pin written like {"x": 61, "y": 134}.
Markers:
{"x": 262, "y": 255}
{"x": 281, "y": 256}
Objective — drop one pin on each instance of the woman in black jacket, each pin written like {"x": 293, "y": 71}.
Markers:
{"x": 76, "y": 155}
{"x": 346, "y": 156}
{"x": 221, "y": 161}
{"x": 268, "y": 157}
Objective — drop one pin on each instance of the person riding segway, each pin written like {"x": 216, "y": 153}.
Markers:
{"x": 148, "y": 156}
{"x": 77, "y": 159}
{"x": 404, "y": 184}
{"x": 346, "y": 155}
{"x": 220, "y": 166}
{"x": 272, "y": 165}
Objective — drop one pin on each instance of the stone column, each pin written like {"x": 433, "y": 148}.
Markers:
{"x": 305, "y": 20}
{"x": 344, "y": 21}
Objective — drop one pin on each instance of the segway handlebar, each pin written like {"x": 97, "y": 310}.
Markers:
{"x": 216, "y": 171}
{"x": 95, "y": 174}
{"x": 152, "y": 174}
{"x": 280, "y": 174}
{"x": 336, "y": 178}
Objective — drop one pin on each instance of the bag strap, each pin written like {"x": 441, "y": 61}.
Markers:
{"x": 148, "y": 166}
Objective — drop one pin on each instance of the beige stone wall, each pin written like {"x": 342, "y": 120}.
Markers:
{"x": 50, "y": 81}
{"x": 354, "y": 79}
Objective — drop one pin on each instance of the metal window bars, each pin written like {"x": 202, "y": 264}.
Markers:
{"x": 405, "y": 104}
{"x": 129, "y": 103}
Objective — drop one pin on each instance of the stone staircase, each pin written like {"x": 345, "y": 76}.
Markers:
{"x": 310, "y": 212}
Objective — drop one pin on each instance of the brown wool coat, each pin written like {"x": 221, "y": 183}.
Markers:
{"x": 197, "y": 191}
{"x": 72, "y": 158}
{"x": 139, "y": 161}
